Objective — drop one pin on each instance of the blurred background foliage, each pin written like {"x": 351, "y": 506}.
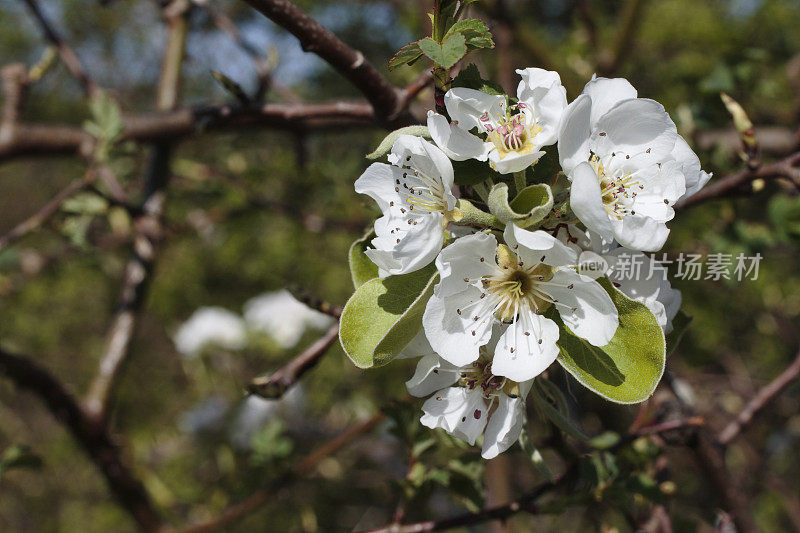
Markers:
{"x": 256, "y": 211}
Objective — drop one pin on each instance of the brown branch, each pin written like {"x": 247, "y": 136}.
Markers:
{"x": 46, "y": 211}
{"x": 14, "y": 79}
{"x": 66, "y": 53}
{"x": 148, "y": 224}
{"x": 276, "y": 384}
{"x": 91, "y": 435}
{"x": 760, "y": 401}
{"x": 784, "y": 168}
{"x": 174, "y": 125}
{"x": 350, "y": 63}
{"x": 306, "y": 465}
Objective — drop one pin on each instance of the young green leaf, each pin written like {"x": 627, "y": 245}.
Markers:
{"x": 679, "y": 326}
{"x": 383, "y": 315}
{"x": 406, "y": 55}
{"x": 388, "y": 141}
{"x": 475, "y": 32}
{"x": 362, "y": 269}
{"x": 627, "y": 369}
{"x": 446, "y": 54}
{"x": 470, "y": 77}
{"x": 529, "y": 207}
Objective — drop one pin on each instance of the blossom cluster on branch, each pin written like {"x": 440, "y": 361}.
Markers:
{"x": 489, "y": 289}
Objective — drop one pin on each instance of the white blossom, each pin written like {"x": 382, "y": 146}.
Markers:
{"x": 281, "y": 316}
{"x": 511, "y": 136}
{"x": 414, "y": 195}
{"x": 627, "y": 164}
{"x": 485, "y": 286}
{"x": 469, "y": 400}
{"x": 210, "y": 326}
{"x": 255, "y": 412}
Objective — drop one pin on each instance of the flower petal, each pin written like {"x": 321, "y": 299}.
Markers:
{"x": 504, "y": 427}
{"x": 466, "y": 106}
{"x": 586, "y": 201}
{"x": 432, "y": 373}
{"x": 539, "y": 247}
{"x": 452, "y": 329}
{"x": 513, "y": 161}
{"x": 574, "y": 134}
{"x": 378, "y": 182}
{"x": 606, "y": 93}
{"x": 428, "y": 158}
{"x": 526, "y": 348}
{"x": 406, "y": 244}
{"x": 470, "y": 257}
{"x": 641, "y": 233}
{"x": 454, "y": 410}
{"x": 641, "y": 129}
{"x": 584, "y": 306}
{"x": 542, "y": 91}
{"x": 695, "y": 177}
{"x": 456, "y": 142}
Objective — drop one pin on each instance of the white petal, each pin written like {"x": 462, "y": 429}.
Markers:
{"x": 642, "y": 233}
{"x": 504, "y": 427}
{"x": 418, "y": 347}
{"x": 466, "y": 106}
{"x": 470, "y": 257}
{"x": 432, "y": 373}
{"x": 586, "y": 201}
{"x": 695, "y": 177}
{"x": 542, "y": 91}
{"x": 526, "y": 348}
{"x": 411, "y": 246}
{"x": 426, "y": 157}
{"x": 378, "y": 182}
{"x": 539, "y": 247}
{"x": 456, "y": 142}
{"x": 458, "y": 411}
{"x": 513, "y": 161}
{"x": 586, "y": 308}
{"x": 606, "y": 93}
{"x": 574, "y": 134}
{"x": 639, "y": 128}
{"x": 451, "y": 327}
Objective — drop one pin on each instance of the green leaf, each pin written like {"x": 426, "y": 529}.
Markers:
{"x": 626, "y": 370}
{"x": 472, "y": 171}
{"x": 475, "y": 32}
{"x": 447, "y": 53}
{"x": 407, "y": 55}
{"x": 231, "y": 87}
{"x": 605, "y": 440}
{"x": 383, "y": 315}
{"x": 388, "y": 141}
{"x": 362, "y": 269}
{"x": 85, "y": 203}
{"x": 544, "y": 402}
{"x": 470, "y": 77}
{"x": 535, "y": 455}
{"x": 679, "y": 326}
{"x": 530, "y": 206}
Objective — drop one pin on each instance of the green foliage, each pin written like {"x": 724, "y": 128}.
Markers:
{"x": 270, "y": 445}
{"x": 470, "y": 77}
{"x": 529, "y": 207}
{"x": 362, "y": 269}
{"x": 629, "y": 367}
{"x": 386, "y": 144}
{"x": 680, "y": 324}
{"x": 231, "y": 87}
{"x": 105, "y": 124}
{"x": 408, "y": 55}
{"x": 447, "y": 53}
{"x": 383, "y": 315}
{"x": 472, "y": 171}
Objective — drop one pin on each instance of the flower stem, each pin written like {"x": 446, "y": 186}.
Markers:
{"x": 519, "y": 180}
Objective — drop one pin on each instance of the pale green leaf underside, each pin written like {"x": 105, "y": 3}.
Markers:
{"x": 362, "y": 269}
{"x": 383, "y": 315}
{"x": 388, "y": 141}
{"x": 626, "y": 370}
{"x": 530, "y": 206}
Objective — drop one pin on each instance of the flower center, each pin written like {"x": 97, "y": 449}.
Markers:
{"x": 512, "y": 132}
{"x": 618, "y": 191}
{"x": 516, "y": 287}
{"x": 420, "y": 191}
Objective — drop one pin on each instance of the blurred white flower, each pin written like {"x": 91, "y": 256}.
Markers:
{"x": 210, "y": 325}
{"x": 255, "y": 412}
{"x": 207, "y": 416}
{"x": 281, "y": 316}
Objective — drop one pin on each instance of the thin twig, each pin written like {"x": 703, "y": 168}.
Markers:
{"x": 91, "y": 435}
{"x": 350, "y": 63}
{"x": 67, "y": 54}
{"x": 47, "y": 211}
{"x": 303, "y": 467}
{"x": 276, "y": 384}
{"x": 760, "y": 401}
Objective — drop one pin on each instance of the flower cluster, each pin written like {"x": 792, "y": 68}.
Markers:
{"x": 508, "y": 288}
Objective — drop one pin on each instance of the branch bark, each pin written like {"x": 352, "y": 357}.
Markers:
{"x": 350, "y": 63}
{"x": 91, "y": 435}
{"x": 760, "y": 401}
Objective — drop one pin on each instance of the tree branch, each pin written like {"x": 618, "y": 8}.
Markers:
{"x": 301, "y": 468}
{"x": 66, "y": 53}
{"x": 759, "y": 401}
{"x": 275, "y": 385}
{"x": 350, "y": 63}
{"x": 90, "y": 434}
